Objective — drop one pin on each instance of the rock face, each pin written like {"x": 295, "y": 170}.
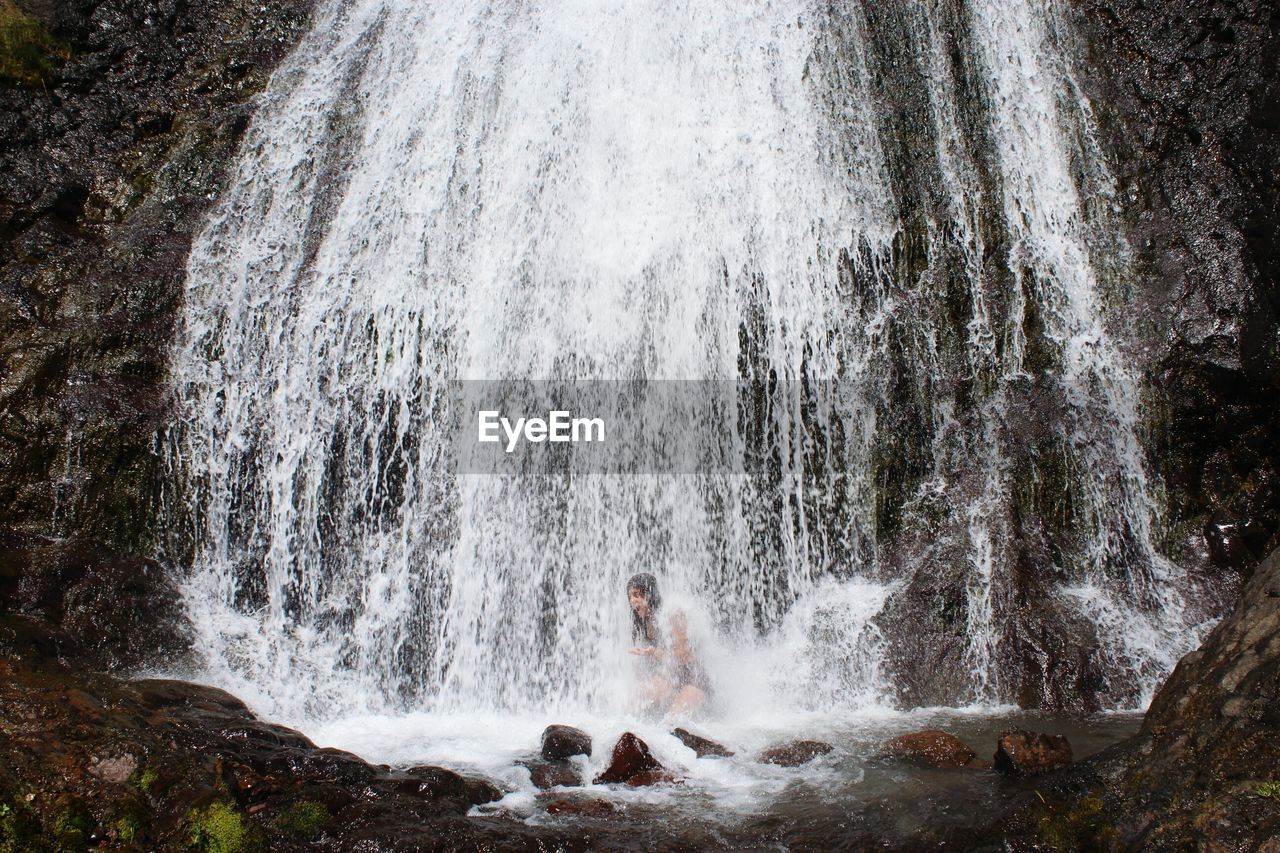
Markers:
{"x": 702, "y": 746}
{"x": 1021, "y": 753}
{"x": 795, "y": 753}
{"x": 1191, "y": 778}
{"x": 111, "y": 154}
{"x": 81, "y": 605}
{"x": 633, "y": 763}
{"x": 935, "y": 749}
{"x": 560, "y": 743}
{"x": 1187, "y": 94}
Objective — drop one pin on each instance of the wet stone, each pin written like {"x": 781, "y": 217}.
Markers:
{"x": 439, "y": 783}
{"x": 552, "y": 774}
{"x": 701, "y": 745}
{"x": 583, "y": 806}
{"x": 631, "y": 757}
{"x": 934, "y": 748}
{"x": 1024, "y": 753}
{"x": 794, "y": 753}
{"x": 560, "y": 742}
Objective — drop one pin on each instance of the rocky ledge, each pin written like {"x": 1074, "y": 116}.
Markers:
{"x": 94, "y": 761}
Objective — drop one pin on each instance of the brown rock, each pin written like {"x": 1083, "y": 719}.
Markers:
{"x": 795, "y": 753}
{"x": 652, "y": 777}
{"x": 631, "y": 757}
{"x": 934, "y": 748}
{"x": 1023, "y": 753}
{"x": 560, "y": 742}
{"x": 588, "y": 806}
{"x": 438, "y": 783}
{"x": 700, "y": 745}
{"x": 552, "y": 774}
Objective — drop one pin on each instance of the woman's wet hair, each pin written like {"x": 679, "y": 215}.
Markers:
{"x": 648, "y": 585}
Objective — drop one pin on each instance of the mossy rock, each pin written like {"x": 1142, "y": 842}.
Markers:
{"x": 19, "y": 825}
{"x": 220, "y": 828}
{"x": 29, "y": 54}
{"x": 304, "y": 820}
{"x": 143, "y": 778}
{"x": 71, "y": 825}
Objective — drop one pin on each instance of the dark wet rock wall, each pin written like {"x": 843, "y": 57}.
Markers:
{"x": 117, "y": 123}
{"x": 1188, "y": 95}
{"x": 110, "y": 155}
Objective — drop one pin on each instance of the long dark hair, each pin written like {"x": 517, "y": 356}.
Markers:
{"x": 648, "y": 585}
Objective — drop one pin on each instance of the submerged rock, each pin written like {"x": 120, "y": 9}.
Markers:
{"x": 439, "y": 783}
{"x": 584, "y": 806}
{"x": 552, "y": 774}
{"x": 700, "y": 745}
{"x": 561, "y": 742}
{"x": 795, "y": 753}
{"x": 631, "y": 760}
{"x": 652, "y": 777}
{"x": 935, "y": 748}
{"x": 1023, "y": 753}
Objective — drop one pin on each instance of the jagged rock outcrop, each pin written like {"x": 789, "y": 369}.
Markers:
{"x": 1023, "y": 753}
{"x": 1203, "y": 771}
{"x": 631, "y": 762}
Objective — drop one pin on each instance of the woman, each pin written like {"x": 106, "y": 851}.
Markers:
{"x": 679, "y": 683}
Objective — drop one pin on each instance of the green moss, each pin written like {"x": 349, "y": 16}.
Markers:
{"x": 71, "y": 826}
{"x": 19, "y": 827}
{"x": 304, "y": 820}
{"x": 28, "y": 53}
{"x": 143, "y": 778}
{"x": 132, "y": 823}
{"x": 1270, "y": 790}
{"x": 1075, "y": 827}
{"x": 219, "y": 828}
{"x": 127, "y": 828}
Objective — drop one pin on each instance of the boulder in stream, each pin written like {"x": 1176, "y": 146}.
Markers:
{"x": 560, "y": 742}
{"x": 631, "y": 760}
{"x": 1023, "y": 753}
{"x": 581, "y": 806}
{"x": 437, "y": 783}
{"x": 794, "y": 753}
{"x": 552, "y": 774}
{"x": 934, "y": 748}
{"x": 701, "y": 745}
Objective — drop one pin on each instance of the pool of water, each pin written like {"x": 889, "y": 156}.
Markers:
{"x": 853, "y": 796}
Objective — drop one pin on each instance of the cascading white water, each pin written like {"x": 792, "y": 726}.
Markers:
{"x": 653, "y": 191}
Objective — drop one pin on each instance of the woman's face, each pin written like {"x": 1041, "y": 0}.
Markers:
{"x": 639, "y": 602}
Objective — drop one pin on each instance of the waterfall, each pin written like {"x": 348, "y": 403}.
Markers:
{"x": 888, "y": 224}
